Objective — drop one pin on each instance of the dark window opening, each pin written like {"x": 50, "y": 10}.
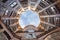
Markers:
{"x": 7, "y": 35}
{"x": 4, "y": 1}
{"x": 1, "y": 27}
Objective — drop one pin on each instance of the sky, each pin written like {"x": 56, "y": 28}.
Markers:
{"x": 29, "y": 18}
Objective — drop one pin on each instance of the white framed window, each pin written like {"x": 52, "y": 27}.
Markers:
{"x": 13, "y": 4}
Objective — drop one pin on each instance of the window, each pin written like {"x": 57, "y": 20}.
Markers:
{"x": 30, "y": 36}
{"x": 13, "y": 4}
{"x": 4, "y": 1}
{"x": 6, "y": 12}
